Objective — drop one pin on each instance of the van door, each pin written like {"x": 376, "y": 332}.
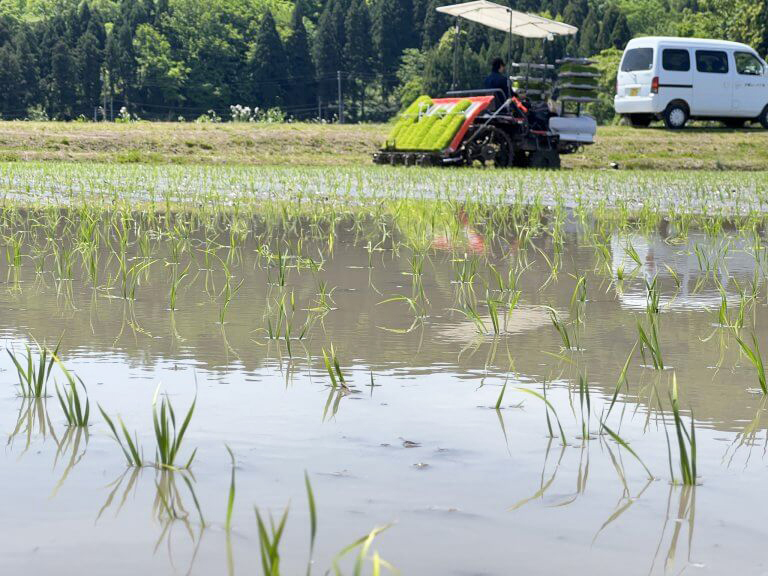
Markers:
{"x": 750, "y": 87}
{"x": 712, "y": 84}
{"x": 635, "y": 73}
{"x": 676, "y": 74}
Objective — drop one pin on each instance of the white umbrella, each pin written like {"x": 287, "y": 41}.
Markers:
{"x": 508, "y": 20}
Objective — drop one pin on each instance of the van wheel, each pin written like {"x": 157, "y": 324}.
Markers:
{"x": 763, "y": 118}
{"x": 640, "y": 120}
{"x": 676, "y": 115}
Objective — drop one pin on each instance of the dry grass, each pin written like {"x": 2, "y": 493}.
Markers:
{"x": 696, "y": 148}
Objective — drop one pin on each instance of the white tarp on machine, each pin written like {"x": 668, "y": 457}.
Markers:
{"x": 508, "y": 20}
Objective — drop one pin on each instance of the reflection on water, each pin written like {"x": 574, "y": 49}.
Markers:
{"x": 454, "y": 373}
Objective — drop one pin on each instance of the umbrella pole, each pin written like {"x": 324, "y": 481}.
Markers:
{"x": 509, "y": 53}
{"x": 456, "y": 40}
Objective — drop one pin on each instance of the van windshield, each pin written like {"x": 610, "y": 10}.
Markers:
{"x": 637, "y": 59}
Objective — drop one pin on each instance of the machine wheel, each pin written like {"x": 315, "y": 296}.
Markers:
{"x": 763, "y": 118}
{"x": 676, "y": 115}
{"x": 734, "y": 122}
{"x": 546, "y": 159}
{"x": 640, "y": 120}
{"x": 492, "y": 145}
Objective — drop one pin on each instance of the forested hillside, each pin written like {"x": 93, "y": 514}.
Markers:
{"x": 171, "y": 59}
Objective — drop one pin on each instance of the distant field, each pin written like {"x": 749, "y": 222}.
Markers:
{"x": 696, "y": 148}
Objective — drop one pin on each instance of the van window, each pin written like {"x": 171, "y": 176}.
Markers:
{"x": 712, "y": 61}
{"x": 748, "y": 64}
{"x": 637, "y": 59}
{"x": 676, "y": 60}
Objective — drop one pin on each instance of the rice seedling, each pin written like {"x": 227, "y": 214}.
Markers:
{"x": 63, "y": 261}
{"x": 130, "y": 446}
{"x": 562, "y": 328}
{"x": 333, "y": 369}
{"x": 584, "y": 402}
{"x": 622, "y": 381}
{"x": 13, "y": 245}
{"x": 649, "y": 340}
{"x": 75, "y": 410}
{"x": 269, "y": 542}
{"x": 231, "y": 494}
{"x": 33, "y": 374}
{"x": 548, "y": 408}
{"x": 130, "y": 276}
{"x": 281, "y": 263}
{"x": 176, "y": 279}
{"x": 632, "y": 253}
{"x": 500, "y": 399}
{"x": 363, "y": 546}
{"x": 465, "y": 269}
{"x": 471, "y": 313}
{"x": 167, "y": 438}
{"x": 493, "y": 311}
{"x": 686, "y": 441}
{"x": 649, "y": 337}
{"x": 228, "y": 293}
{"x": 624, "y": 445}
{"x": 312, "y": 521}
{"x": 755, "y": 358}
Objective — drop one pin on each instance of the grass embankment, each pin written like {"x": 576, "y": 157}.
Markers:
{"x": 695, "y": 148}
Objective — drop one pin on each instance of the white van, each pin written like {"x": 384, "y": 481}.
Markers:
{"x": 676, "y": 79}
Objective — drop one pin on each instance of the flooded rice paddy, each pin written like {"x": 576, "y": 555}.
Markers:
{"x": 435, "y": 372}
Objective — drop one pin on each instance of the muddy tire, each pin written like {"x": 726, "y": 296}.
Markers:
{"x": 492, "y": 146}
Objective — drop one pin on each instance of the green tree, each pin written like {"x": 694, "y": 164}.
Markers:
{"x": 435, "y": 25}
{"x": 575, "y": 12}
{"x": 327, "y": 54}
{"x": 11, "y": 97}
{"x": 211, "y": 40}
{"x": 29, "y": 82}
{"x": 302, "y": 95}
{"x": 89, "y": 58}
{"x": 268, "y": 65}
{"x": 607, "y": 25}
{"x": 159, "y": 78}
{"x": 410, "y": 76}
{"x": 390, "y": 36}
{"x": 63, "y": 75}
{"x": 620, "y": 34}
{"x": 357, "y": 52}
{"x": 588, "y": 35}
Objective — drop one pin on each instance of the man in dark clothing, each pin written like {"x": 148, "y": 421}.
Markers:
{"x": 497, "y": 80}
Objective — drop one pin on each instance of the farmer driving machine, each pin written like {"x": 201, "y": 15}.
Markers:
{"x": 487, "y": 127}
